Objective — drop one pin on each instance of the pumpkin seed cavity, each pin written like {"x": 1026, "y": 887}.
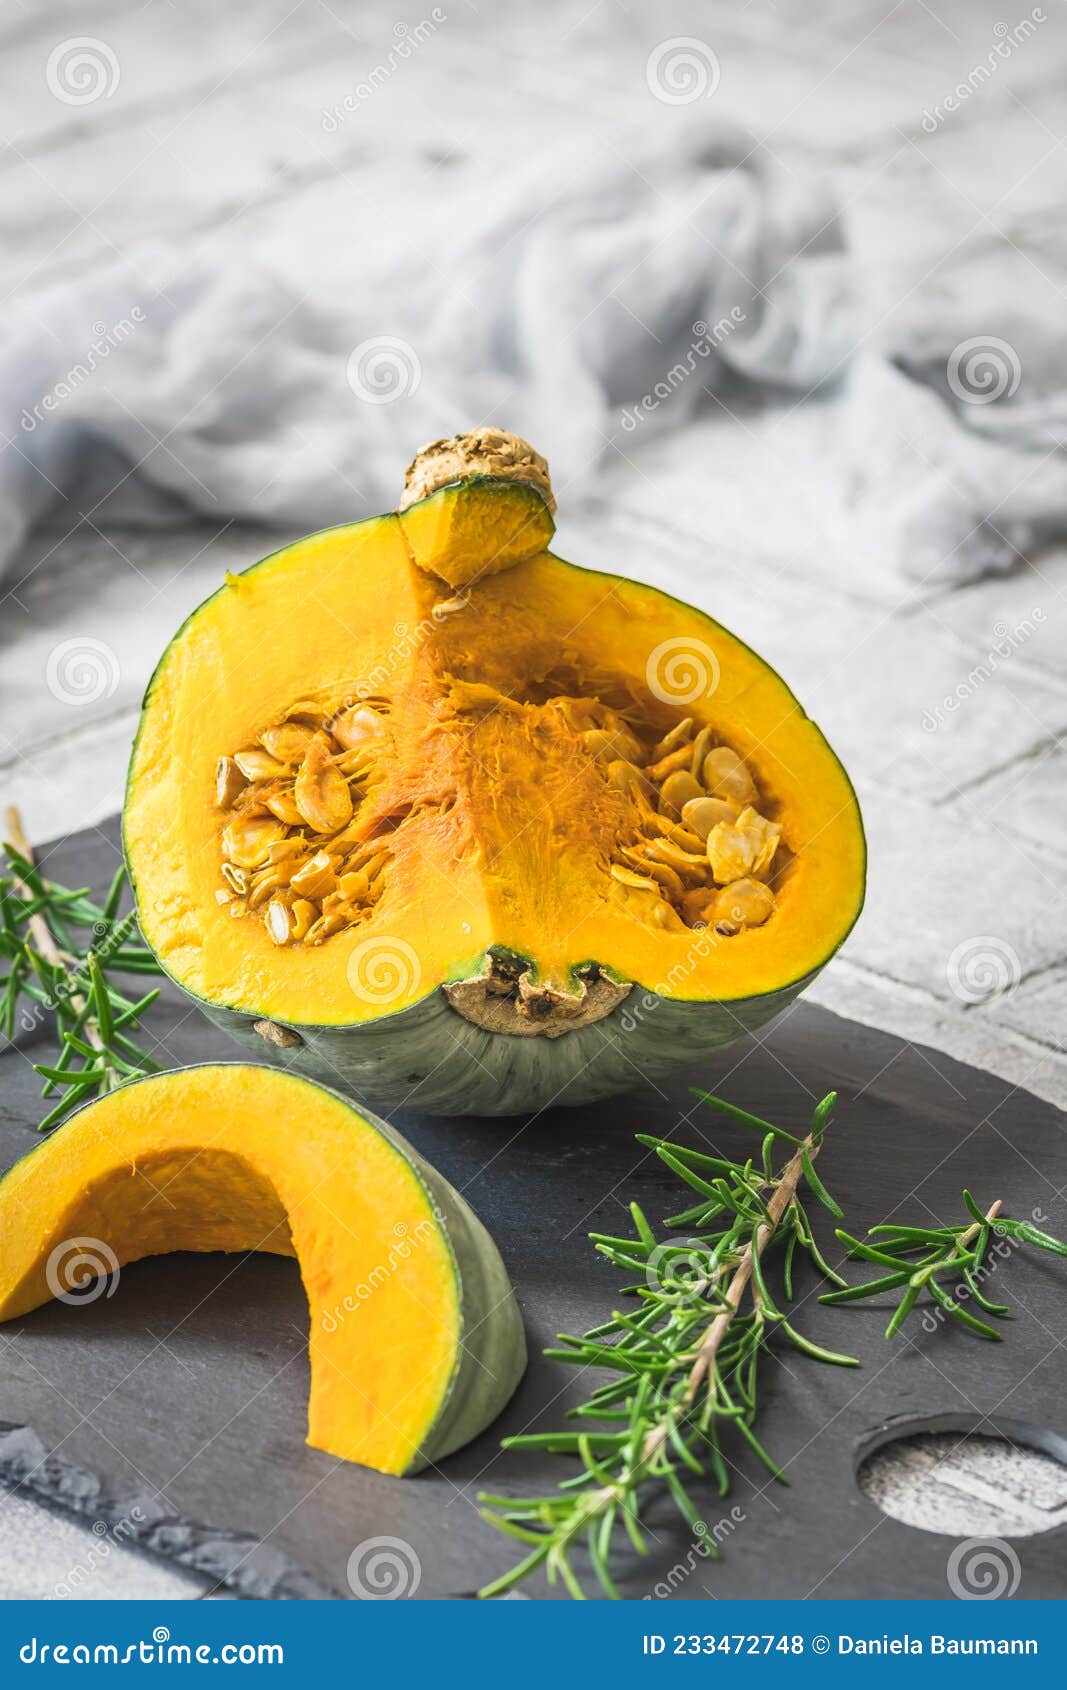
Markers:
{"x": 293, "y": 850}
{"x": 696, "y": 851}
{"x": 701, "y": 847}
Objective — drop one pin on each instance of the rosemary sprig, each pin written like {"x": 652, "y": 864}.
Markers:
{"x": 69, "y": 980}
{"x": 679, "y": 1383}
{"x": 919, "y": 1258}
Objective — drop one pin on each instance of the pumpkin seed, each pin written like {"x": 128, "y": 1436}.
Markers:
{"x": 677, "y": 791}
{"x": 629, "y": 878}
{"x": 356, "y": 727}
{"x": 283, "y": 805}
{"x": 703, "y": 743}
{"x": 316, "y": 877}
{"x": 294, "y": 846}
{"x": 660, "y": 872}
{"x": 257, "y": 764}
{"x": 321, "y": 791}
{"x": 744, "y": 903}
{"x": 288, "y": 741}
{"x": 662, "y": 826}
{"x": 267, "y": 885}
{"x": 600, "y": 745}
{"x": 247, "y": 841}
{"x": 672, "y": 740}
{"x": 357, "y": 764}
{"x": 629, "y": 778}
{"x": 702, "y": 814}
{"x": 302, "y": 914}
{"x": 237, "y": 878}
{"x": 686, "y": 862}
{"x": 354, "y": 835}
{"x": 353, "y": 886}
{"x": 624, "y": 744}
{"x": 577, "y": 713}
{"x": 726, "y": 775}
{"x": 324, "y": 928}
{"x": 668, "y": 765}
{"x": 743, "y": 848}
{"x": 374, "y": 865}
{"x": 278, "y": 923}
{"x": 229, "y": 781}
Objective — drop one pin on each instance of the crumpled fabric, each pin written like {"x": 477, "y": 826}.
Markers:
{"x": 586, "y": 311}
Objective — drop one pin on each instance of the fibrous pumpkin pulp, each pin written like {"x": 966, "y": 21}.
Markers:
{"x": 418, "y": 807}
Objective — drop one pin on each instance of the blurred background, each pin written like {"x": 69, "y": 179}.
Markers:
{"x": 777, "y": 287}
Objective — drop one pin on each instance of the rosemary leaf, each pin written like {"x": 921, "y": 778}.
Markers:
{"x": 67, "y": 978}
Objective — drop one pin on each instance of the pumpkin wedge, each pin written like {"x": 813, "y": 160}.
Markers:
{"x": 421, "y": 809}
{"x": 416, "y": 1342}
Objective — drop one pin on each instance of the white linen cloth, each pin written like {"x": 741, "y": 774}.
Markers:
{"x": 578, "y": 310}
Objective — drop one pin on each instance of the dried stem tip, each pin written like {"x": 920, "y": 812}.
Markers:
{"x": 482, "y": 452}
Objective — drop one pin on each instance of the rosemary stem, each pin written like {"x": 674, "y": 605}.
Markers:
{"x": 974, "y": 1229}
{"x": 38, "y": 924}
{"x": 784, "y": 1192}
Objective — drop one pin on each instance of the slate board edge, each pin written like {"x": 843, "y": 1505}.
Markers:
{"x": 236, "y": 1560}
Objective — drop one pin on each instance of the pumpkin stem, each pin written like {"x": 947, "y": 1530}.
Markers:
{"x": 505, "y": 999}
{"x": 482, "y": 452}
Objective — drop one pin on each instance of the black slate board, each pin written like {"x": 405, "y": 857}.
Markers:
{"x": 190, "y": 1383}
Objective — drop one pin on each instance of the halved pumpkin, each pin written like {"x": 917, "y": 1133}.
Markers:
{"x": 418, "y": 807}
{"x": 416, "y": 1342}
